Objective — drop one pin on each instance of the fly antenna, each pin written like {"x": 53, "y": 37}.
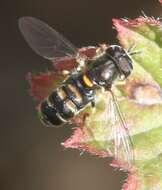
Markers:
{"x": 134, "y": 52}
{"x": 131, "y": 50}
{"x": 132, "y": 47}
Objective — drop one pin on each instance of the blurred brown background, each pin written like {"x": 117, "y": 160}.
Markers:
{"x": 31, "y": 157}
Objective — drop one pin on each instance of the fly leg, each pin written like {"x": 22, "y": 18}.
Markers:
{"x": 65, "y": 72}
{"x": 80, "y": 120}
{"x": 82, "y": 63}
{"x": 93, "y": 105}
{"x": 120, "y": 83}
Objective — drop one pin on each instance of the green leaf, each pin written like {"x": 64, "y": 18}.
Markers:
{"x": 140, "y": 100}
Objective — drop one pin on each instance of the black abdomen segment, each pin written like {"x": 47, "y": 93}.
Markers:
{"x": 66, "y": 101}
{"x": 48, "y": 114}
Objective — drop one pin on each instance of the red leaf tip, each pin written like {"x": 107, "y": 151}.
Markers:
{"x": 136, "y": 22}
{"x": 132, "y": 182}
{"x": 78, "y": 139}
{"x": 42, "y": 84}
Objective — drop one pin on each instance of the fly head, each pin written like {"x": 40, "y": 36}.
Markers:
{"x": 121, "y": 59}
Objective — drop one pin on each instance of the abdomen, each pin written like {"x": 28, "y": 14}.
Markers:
{"x": 66, "y": 101}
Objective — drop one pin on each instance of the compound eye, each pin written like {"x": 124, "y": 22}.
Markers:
{"x": 125, "y": 64}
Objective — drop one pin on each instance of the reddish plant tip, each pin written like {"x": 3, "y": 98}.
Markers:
{"x": 77, "y": 141}
{"x": 42, "y": 84}
{"x": 71, "y": 63}
{"x": 132, "y": 183}
{"x": 136, "y": 22}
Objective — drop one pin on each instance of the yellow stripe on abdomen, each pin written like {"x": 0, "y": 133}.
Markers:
{"x": 87, "y": 81}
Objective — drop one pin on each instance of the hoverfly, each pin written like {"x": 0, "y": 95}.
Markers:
{"x": 78, "y": 89}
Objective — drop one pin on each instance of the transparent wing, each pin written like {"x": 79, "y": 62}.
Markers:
{"x": 123, "y": 146}
{"x": 44, "y": 40}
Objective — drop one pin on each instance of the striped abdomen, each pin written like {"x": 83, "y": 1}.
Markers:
{"x": 67, "y": 100}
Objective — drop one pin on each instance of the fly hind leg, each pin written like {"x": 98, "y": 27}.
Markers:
{"x": 93, "y": 104}
{"x": 80, "y": 120}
